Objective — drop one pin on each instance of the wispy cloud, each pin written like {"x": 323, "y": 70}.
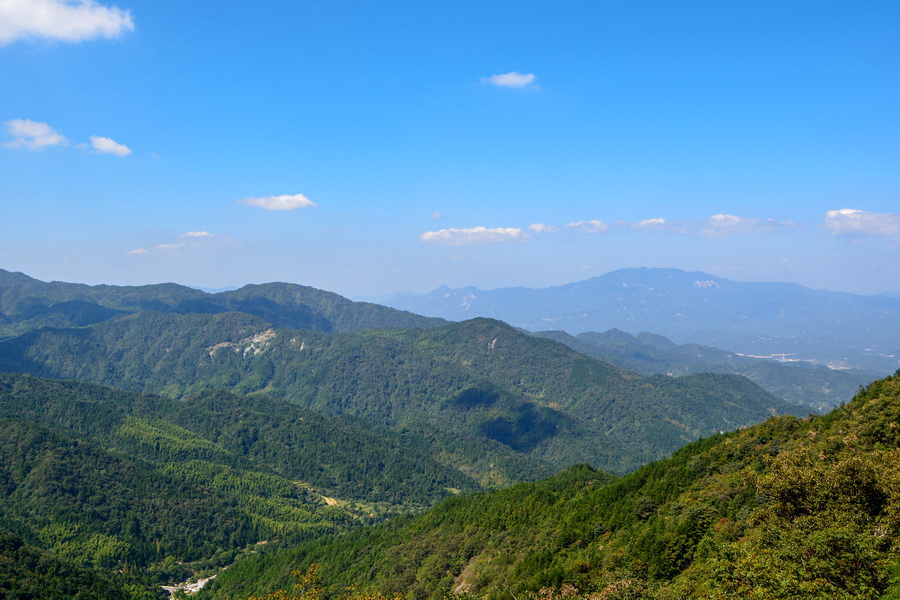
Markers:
{"x": 589, "y": 226}
{"x": 658, "y": 223}
{"x": 592, "y": 226}
{"x": 32, "y": 135}
{"x": 513, "y": 79}
{"x": 105, "y": 145}
{"x": 541, "y": 228}
{"x": 850, "y": 222}
{"x": 191, "y": 241}
{"x": 64, "y": 20}
{"x": 158, "y": 247}
{"x": 283, "y": 202}
{"x": 725, "y": 225}
{"x": 474, "y": 235}
{"x": 716, "y": 226}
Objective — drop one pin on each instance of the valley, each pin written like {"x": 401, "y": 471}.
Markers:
{"x": 165, "y": 433}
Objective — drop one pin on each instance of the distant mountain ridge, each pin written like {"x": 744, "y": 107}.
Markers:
{"x": 835, "y": 328}
{"x": 27, "y": 304}
{"x": 815, "y": 386}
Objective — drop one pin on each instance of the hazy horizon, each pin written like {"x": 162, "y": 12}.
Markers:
{"x": 368, "y": 148}
{"x": 394, "y": 293}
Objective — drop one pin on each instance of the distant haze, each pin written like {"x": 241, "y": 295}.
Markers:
{"x": 834, "y": 328}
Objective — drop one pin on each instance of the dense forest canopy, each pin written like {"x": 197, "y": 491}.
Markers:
{"x": 787, "y": 509}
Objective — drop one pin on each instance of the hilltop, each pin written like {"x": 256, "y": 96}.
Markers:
{"x": 27, "y": 304}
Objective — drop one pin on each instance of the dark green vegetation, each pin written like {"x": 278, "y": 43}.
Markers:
{"x": 799, "y": 509}
{"x": 29, "y": 573}
{"x": 336, "y": 456}
{"x": 108, "y": 480}
{"x": 816, "y": 387}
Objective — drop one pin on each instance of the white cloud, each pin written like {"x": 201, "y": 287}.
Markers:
{"x": 197, "y": 234}
{"x": 724, "y": 225}
{"x": 65, "y": 20}
{"x": 137, "y": 251}
{"x": 716, "y": 226}
{"x": 283, "y": 202}
{"x": 108, "y": 146}
{"x": 685, "y": 227}
{"x": 512, "y": 79}
{"x": 658, "y": 223}
{"x": 849, "y": 222}
{"x": 436, "y": 215}
{"x": 33, "y": 135}
{"x": 592, "y": 226}
{"x": 168, "y": 246}
{"x": 474, "y": 235}
{"x": 541, "y": 228}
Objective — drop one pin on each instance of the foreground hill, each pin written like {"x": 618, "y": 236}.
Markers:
{"x": 27, "y": 304}
{"x": 800, "y": 509}
{"x": 478, "y": 382}
{"x": 752, "y": 318}
{"x": 815, "y": 386}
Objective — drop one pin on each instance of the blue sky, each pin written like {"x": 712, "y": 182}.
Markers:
{"x": 367, "y": 147}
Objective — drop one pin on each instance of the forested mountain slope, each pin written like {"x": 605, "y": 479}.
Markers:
{"x": 333, "y": 456}
{"x": 27, "y": 572}
{"x": 479, "y": 380}
{"x": 799, "y": 509}
{"x": 27, "y": 304}
{"x": 109, "y": 480}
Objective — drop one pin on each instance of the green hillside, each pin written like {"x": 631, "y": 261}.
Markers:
{"x": 99, "y": 480}
{"x": 27, "y": 573}
{"x": 90, "y": 506}
{"x": 789, "y": 508}
{"x": 480, "y": 381}
{"x": 335, "y": 456}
